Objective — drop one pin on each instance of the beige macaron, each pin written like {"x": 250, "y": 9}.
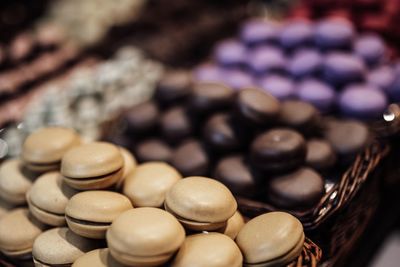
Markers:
{"x": 5, "y": 207}
{"x": 208, "y": 250}
{"x": 95, "y": 165}
{"x": 130, "y": 164}
{"x": 90, "y": 213}
{"x": 15, "y": 181}
{"x": 233, "y": 225}
{"x": 60, "y": 247}
{"x": 42, "y": 150}
{"x": 148, "y": 184}
{"x": 271, "y": 239}
{"x": 201, "y": 203}
{"x": 18, "y": 230}
{"x": 48, "y": 198}
{"x": 144, "y": 237}
{"x": 97, "y": 258}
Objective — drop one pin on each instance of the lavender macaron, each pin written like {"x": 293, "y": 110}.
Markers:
{"x": 259, "y": 31}
{"x": 266, "y": 59}
{"x": 207, "y": 73}
{"x": 319, "y": 94}
{"x": 279, "y": 86}
{"x": 230, "y": 53}
{"x": 296, "y": 33}
{"x": 371, "y": 48}
{"x": 382, "y": 77}
{"x": 237, "y": 79}
{"x": 334, "y": 33}
{"x": 304, "y": 63}
{"x": 362, "y": 102}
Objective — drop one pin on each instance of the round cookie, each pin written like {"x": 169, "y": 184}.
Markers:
{"x": 371, "y": 48}
{"x": 305, "y": 63}
{"x": 334, "y": 33}
{"x": 279, "y": 86}
{"x": 147, "y": 186}
{"x": 200, "y": 203}
{"x": 237, "y": 79}
{"x": 190, "y": 158}
{"x": 220, "y": 134}
{"x": 130, "y": 164}
{"x": 320, "y": 154}
{"x": 266, "y": 60}
{"x": 175, "y": 125}
{"x": 97, "y": 258}
{"x": 153, "y": 150}
{"x": 90, "y": 213}
{"x": 296, "y": 33}
{"x": 299, "y": 115}
{"x": 142, "y": 118}
{"x": 95, "y": 165}
{"x": 259, "y": 31}
{"x": 319, "y": 94}
{"x": 230, "y": 53}
{"x": 144, "y": 237}
{"x": 173, "y": 87}
{"x": 233, "y": 225}
{"x": 42, "y": 150}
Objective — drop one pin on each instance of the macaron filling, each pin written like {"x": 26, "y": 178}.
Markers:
{"x": 40, "y": 166}
{"x": 115, "y": 175}
{"x": 33, "y": 205}
{"x": 140, "y": 259}
{"x": 85, "y": 222}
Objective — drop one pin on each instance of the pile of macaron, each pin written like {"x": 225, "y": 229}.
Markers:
{"x": 69, "y": 203}
{"x": 278, "y": 152}
{"x": 326, "y": 63}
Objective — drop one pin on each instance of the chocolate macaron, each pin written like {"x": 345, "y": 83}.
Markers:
{"x": 320, "y": 154}
{"x": 175, "y": 125}
{"x": 173, "y": 87}
{"x": 299, "y": 115}
{"x": 153, "y": 150}
{"x": 190, "y": 158}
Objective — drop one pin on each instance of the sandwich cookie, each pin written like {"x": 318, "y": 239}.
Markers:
{"x": 233, "y": 225}
{"x": 48, "y": 198}
{"x": 144, "y": 237}
{"x": 92, "y": 166}
{"x": 200, "y": 203}
{"x": 90, "y": 213}
{"x": 97, "y": 258}
{"x": 42, "y": 150}
{"x": 130, "y": 164}
{"x": 5, "y": 207}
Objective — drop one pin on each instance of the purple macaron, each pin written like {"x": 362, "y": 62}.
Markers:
{"x": 237, "y": 79}
{"x": 230, "y": 53}
{"x": 334, "y": 33}
{"x": 296, "y": 33}
{"x": 207, "y": 73}
{"x": 371, "y": 48}
{"x": 362, "y": 102}
{"x": 259, "y": 31}
{"x": 305, "y": 62}
{"x": 279, "y": 86}
{"x": 382, "y": 77}
{"x": 317, "y": 93}
{"x": 266, "y": 59}
{"x": 340, "y": 69}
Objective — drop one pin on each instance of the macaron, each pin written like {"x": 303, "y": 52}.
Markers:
{"x": 173, "y": 87}
{"x": 230, "y": 53}
{"x": 279, "y": 234}
{"x": 145, "y": 237}
{"x": 147, "y": 186}
{"x": 278, "y": 86}
{"x": 60, "y": 247}
{"x": 190, "y": 158}
{"x": 237, "y": 79}
{"x": 296, "y": 33}
{"x": 321, "y": 95}
{"x": 320, "y": 154}
{"x": 305, "y": 63}
{"x": 15, "y": 181}
{"x": 233, "y": 225}
{"x": 371, "y": 48}
{"x": 99, "y": 258}
{"x": 142, "y": 118}
{"x": 334, "y": 33}
{"x": 278, "y": 150}
{"x": 363, "y": 102}
{"x": 266, "y": 60}
{"x": 130, "y": 164}
{"x": 200, "y": 203}
{"x": 382, "y": 77}
{"x": 18, "y": 230}
{"x": 48, "y": 197}
{"x": 5, "y": 207}
{"x": 207, "y": 72}
{"x": 299, "y": 115}
{"x": 153, "y": 150}
{"x": 94, "y": 165}
{"x": 175, "y": 124}
{"x": 42, "y": 150}
{"x": 208, "y": 250}
{"x": 297, "y": 190}
{"x": 90, "y": 213}
{"x": 258, "y": 32}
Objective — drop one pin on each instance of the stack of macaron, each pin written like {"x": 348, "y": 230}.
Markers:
{"x": 280, "y": 152}
{"x": 326, "y": 63}
{"x": 65, "y": 202}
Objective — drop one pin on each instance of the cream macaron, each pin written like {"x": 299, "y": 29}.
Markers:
{"x": 144, "y": 237}
{"x": 208, "y": 250}
{"x": 60, "y": 247}
{"x": 130, "y": 164}
{"x": 233, "y": 225}
{"x": 91, "y": 213}
{"x": 15, "y": 181}
{"x": 271, "y": 239}
{"x": 42, "y": 150}
{"x": 5, "y": 207}
{"x": 18, "y": 231}
{"x": 200, "y": 203}
{"x": 148, "y": 184}
{"x": 97, "y": 258}
{"x": 94, "y": 165}
{"x": 48, "y": 197}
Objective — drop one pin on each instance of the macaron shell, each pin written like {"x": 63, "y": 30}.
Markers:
{"x": 97, "y": 258}
{"x": 60, "y": 246}
{"x": 48, "y": 144}
{"x": 18, "y": 230}
{"x": 44, "y": 216}
{"x": 201, "y": 199}
{"x": 208, "y": 250}
{"x": 93, "y": 159}
{"x": 269, "y": 236}
{"x": 147, "y": 186}
{"x": 130, "y": 162}
{"x": 95, "y": 183}
{"x": 42, "y": 168}
{"x": 87, "y": 230}
{"x": 14, "y": 183}
{"x": 233, "y": 225}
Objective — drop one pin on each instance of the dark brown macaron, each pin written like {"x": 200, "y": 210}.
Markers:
{"x": 256, "y": 107}
{"x": 235, "y": 174}
{"x": 173, "y": 87}
{"x": 142, "y": 118}
{"x": 175, "y": 125}
{"x": 153, "y": 150}
{"x": 190, "y": 159}
{"x": 300, "y": 189}
{"x": 278, "y": 150}
{"x": 320, "y": 154}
